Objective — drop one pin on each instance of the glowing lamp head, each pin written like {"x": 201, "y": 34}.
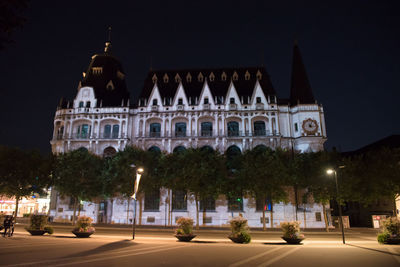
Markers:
{"x": 330, "y": 171}
{"x": 140, "y": 170}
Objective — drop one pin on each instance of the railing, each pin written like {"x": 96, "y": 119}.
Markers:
{"x": 93, "y": 137}
{"x": 154, "y": 108}
{"x": 259, "y": 106}
{"x": 232, "y": 106}
{"x": 209, "y": 134}
{"x": 206, "y": 106}
{"x": 179, "y": 107}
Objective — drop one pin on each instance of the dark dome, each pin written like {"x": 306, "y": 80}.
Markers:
{"x": 106, "y": 76}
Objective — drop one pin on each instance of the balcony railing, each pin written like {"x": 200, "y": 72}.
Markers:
{"x": 232, "y": 106}
{"x": 209, "y": 134}
{"x": 154, "y": 108}
{"x": 179, "y": 107}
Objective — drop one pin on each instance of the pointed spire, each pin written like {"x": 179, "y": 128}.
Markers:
{"x": 300, "y": 90}
{"x": 107, "y": 48}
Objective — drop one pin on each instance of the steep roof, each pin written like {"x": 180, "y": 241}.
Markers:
{"x": 218, "y": 80}
{"x": 300, "y": 90}
{"x": 392, "y": 141}
{"x": 106, "y": 76}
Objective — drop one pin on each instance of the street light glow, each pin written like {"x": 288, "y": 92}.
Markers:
{"x": 329, "y": 171}
{"x": 140, "y": 170}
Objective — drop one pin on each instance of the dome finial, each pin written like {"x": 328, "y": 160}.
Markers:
{"x": 107, "y": 49}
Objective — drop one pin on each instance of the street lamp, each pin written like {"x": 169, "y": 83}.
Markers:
{"x": 330, "y": 172}
{"x": 139, "y": 172}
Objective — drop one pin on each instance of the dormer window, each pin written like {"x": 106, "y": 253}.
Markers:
{"x": 120, "y": 75}
{"x": 188, "y": 77}
{"x": 223, "y": 76}
{"x": 235, "y": 76}
{"x": 110, "y": 85}
{"x": 154, "y": 102}
{"x": 97, "y": 70}
{"x": 206, "y": 100}
{"x": 177, "y": 78}
{"x": 88, "y": 104}
{"x": 81, "y": 104}
{"x": 247, "y": 75}
{"x": 258, "y": 100}
{"x": 180, "y": 101}
{"x": 200, "y": 77}
{"x": 259, "y": 75}
{"x": 165, "y": 78}
{"x": 212, "y": 76}
{"x": 232, "y": 100}
{"x": 154, "y": 78}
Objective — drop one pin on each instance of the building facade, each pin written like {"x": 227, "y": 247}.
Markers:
{"x": 223, "y": 109}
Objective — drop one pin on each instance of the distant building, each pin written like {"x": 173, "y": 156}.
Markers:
{"x": 225, "y": 109}
{"x": 363, "y": 216}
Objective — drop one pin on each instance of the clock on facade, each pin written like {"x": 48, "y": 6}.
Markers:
{"x": 310, "y": 126}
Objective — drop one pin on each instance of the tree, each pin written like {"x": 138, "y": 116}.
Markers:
{"x": 23, "y": 173}
{"x": 265, "y": 175}
{"x": 77, "y": 174}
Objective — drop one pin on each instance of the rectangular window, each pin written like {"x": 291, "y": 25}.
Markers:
{"x": 296, "y": 127}
{"x": 152, "y": 200}
{"x": 266, "y": 220}
{"x": 115, "y": 131}
{"x": 318, "y": 216}
{"x": 232, "y": 100}
{"x": 207, "y": 204}
{"x": 85, "y": 131}
{"x": 235, "y": 203}
{"x": 179, "y": 200}
{"x": 180, "y": 101}
{"x": 88, "y": 104}
{"x": 263, "y": 204}
{"x": 81, "y": 104}
{"x": 258, "y": 100}
{"x": 206, "y": 100}
{"x": 154, "y": 102}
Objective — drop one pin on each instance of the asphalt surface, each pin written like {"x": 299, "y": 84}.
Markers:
{"x": 113, "y": 246}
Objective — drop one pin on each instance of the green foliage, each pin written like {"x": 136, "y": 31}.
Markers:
{"x": 383, "y": 237}
{"x": 26, "y": 215}
{"x": 185, "y": 226}
{"x": 84, "y": 224}
{"x": 38, "y": 222}
{"x": 23, "y": 173}
{"x": 49, "y": 230}
{"x": 240, "y": 229}
{"x": 78, "y": 174}
{"x": 391, "y": 226}
{"x": 291, "y": 229}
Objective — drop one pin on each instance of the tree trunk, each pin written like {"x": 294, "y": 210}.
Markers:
{"x": 197, "y": 211}
{"x": 170, "y": 207}
{"x": 74, "y": 216}
{"x": 305, "y": 217}
{"x": 272, "y": 215}
{"x": 111, "y": 210}
{"x": 263, "y": 213}
{"x": 79, "y": 208}
{"x": 16, "y": 208}
{"x": 325, "y": 218}
{"x": 296, "y": 201}
{"x": 127, "y": 211}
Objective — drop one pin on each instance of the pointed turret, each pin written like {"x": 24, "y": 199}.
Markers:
{"x": 300, "y": 90}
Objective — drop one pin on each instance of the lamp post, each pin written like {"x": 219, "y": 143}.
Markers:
{"x": 139, "y": 172}
{"x": 330, "y": 172}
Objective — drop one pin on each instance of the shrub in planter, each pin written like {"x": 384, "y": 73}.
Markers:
{"x": 390, "y": 232}
{"x": 38, "y": 225}
{"x": 83, "y": 227}
{"x": 291, "y": 232}
{"x": 185, "y": 229}
{"x": 239, "y": 230}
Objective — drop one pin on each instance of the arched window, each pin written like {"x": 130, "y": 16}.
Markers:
{"x": 180, "y": 129}
{"x": 206, "y": 129}
{"x": 107, "y": 131}
{"x": 233, "y": 128}
{"x": 155, "y": 149}
{"x": 115, "y": 131}
{"x": 109, "y": 152}
{"x": 81, "y": 104}
{"x": 155, "y": 130}
{"x": 179, "y": 149}
{"x": 259, "y": 128}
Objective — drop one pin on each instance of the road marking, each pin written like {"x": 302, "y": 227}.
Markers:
{"x": 104, "y": 255}
{"x": 281, "y": 256}
{"x": 391, "y": 250}
{"x": 254, "y": 257}
{"x": 118, "y": 256}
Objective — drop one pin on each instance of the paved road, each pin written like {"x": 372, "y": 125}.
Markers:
{"x": 111, "y": 246}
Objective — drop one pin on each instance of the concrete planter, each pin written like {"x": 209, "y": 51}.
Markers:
{"x": 185, "y": 238}
{"x": 82, "y": 234}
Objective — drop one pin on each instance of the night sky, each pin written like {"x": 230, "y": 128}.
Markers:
{"x": 350, "y": 49}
